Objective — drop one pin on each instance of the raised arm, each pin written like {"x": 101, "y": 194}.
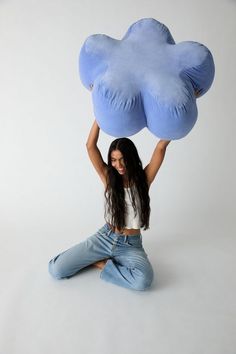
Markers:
{"x": 155, "y": 163}
{"x": 95, "y": 154}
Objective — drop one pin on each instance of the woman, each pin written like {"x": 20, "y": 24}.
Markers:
{"x": 117, "y": 248}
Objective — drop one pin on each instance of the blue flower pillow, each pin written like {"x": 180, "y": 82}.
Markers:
{"x": 145, "y": 80}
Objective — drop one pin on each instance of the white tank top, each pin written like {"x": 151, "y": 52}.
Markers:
{"x": 132, "y": 221}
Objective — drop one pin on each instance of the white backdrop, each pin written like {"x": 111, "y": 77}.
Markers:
{"x": 51, "y": 197}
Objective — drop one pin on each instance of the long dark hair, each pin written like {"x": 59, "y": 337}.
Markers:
{"x": 136, "y": 178}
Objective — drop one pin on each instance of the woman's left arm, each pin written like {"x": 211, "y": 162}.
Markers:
{"x": 155, "y": 163}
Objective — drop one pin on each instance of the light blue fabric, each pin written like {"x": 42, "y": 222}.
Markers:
{"x": 145, "y": 80}
{"x": 127, "y": 266}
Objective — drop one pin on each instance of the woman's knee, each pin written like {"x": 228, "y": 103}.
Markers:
{"x": 56, "y": 268}
{"x": 144, "y": 280}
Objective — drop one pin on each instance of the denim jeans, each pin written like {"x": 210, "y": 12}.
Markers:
{"x": 127, "y": 263}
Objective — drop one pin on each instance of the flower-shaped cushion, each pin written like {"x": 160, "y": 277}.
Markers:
{"x": 145, "y": 80}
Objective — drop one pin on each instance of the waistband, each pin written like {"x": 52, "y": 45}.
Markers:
{"x": 108, "y": 228}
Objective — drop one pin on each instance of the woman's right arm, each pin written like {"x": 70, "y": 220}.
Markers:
{"x": 95, "y": 154}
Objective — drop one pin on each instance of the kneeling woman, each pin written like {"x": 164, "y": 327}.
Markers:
{"x": 117, "y": 247}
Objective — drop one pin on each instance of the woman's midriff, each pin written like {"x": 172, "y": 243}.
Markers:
{"x": 125, "y": 232}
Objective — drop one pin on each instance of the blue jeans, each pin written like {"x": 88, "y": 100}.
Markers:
{"x": 127, "y": 264}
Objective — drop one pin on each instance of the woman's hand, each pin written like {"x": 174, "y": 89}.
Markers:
{"x": 162, "y": 144}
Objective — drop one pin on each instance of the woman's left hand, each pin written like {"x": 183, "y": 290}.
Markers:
{"x": 163, "y": 143}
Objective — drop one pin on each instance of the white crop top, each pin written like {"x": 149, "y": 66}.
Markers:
{"x": 131, "y": 221}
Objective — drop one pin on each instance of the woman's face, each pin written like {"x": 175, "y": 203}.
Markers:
{"x": 117, "y": 161}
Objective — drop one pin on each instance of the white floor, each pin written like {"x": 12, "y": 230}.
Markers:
{"x": 190, "y": 308}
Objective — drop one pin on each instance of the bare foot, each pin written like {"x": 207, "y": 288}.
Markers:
{"x": 100, "y": 264}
